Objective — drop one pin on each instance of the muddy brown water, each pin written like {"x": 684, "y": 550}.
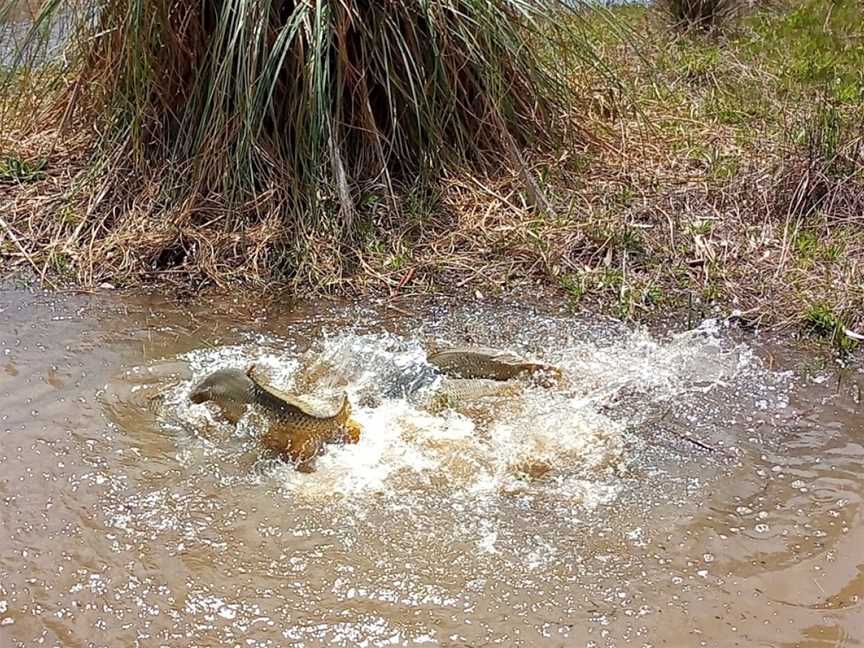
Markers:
{"x": 129, "y": 520}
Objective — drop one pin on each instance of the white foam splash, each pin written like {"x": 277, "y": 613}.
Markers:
{"x": 406, "y": 448}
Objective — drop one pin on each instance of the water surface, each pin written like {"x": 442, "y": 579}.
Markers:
{"x": 131, "y": 517}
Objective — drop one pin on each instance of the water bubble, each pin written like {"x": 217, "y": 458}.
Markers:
{"x": 227, "y": 612}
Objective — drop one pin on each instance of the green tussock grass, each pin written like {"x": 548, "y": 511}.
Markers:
{"x": 15, "y": 170}
{"x": 295, "y": 113}
{"x": 824, "y": 322}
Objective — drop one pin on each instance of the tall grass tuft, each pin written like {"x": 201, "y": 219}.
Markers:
{"x": 702, "y": 15}
{"x": 823, "y": 169}
{"x": 293, "y": 112}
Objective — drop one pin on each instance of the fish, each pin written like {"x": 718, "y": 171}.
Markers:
{"x": 295, "y": 429}
{"x": 489, "y": 364}
{"x": 458, "y": 390}
{"x": 471, "y": 396}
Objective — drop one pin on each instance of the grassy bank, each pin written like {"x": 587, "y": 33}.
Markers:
{"x": 726, "y": 168}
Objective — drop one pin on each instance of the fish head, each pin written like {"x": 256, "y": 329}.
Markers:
{"x": 200, "y": 395}
{"x": 224, "y": 384}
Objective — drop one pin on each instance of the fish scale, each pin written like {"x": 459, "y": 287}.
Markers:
{"x": 486, "y": 363}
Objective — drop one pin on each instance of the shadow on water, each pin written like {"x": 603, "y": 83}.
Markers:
{"x": 699, "y": 488}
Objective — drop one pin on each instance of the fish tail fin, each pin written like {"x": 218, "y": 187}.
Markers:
{"x": 548, "y": 375}
{"x": 344, "y": 410}
{"x": 352, "y": 431}
{"x": 557, "y": 376}
{"x": 351, "y": 428}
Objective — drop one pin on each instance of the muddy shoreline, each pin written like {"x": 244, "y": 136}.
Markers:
{"x": 709, "y": 184}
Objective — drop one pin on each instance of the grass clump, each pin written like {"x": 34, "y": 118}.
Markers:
{"x": 14, "y": 170}
{"x": 824, "y": 169}
{"x": 237, "y": 129}
{"x": 822, "y": 321}
{"x": 575, "y": 285}
{"x": 702, "y": 15}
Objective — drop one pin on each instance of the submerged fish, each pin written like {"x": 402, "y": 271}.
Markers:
{"x": 490, "y": 364}
{"x": 405, "y": 382}
{"x": 295, "y": 429}
{"x": 478, "y": 398}
{"x": 457, "y": 390}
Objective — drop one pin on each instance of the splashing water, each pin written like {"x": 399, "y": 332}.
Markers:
{"x": 561, "y": 440}
{"x": 573, "y": 515}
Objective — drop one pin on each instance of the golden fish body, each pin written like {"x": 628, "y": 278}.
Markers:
{"x": 294, "y": 429}
{"x": 301, "y": 434}
{"x": 478, "y": 398}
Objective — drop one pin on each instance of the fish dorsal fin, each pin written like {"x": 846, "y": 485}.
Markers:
{"x": 307, "y": 408}
{"x": 507, "y": 357}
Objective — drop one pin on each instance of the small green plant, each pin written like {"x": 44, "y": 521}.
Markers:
{"x": 599, "y": 232}
{"x": 624, "y": 197}
{"x": 611, "y": 278}
{"x": 70, "y": 216}
{"x": 822, "y": 321}
{"x": 14, "y": 170}
{"x": 847, "y": 91}
{"x": 580, "y": 163}
{"x": 630, "y": 240}
{"x": 823, "y": 165}
{"x": 723, "y": 167}
{"x": 370, "y": 200}
{"x": 701, "y": 227}
{"x": 534, "y": 233}
{"x": 395, "y": 262}
{"x": 806, "y": 245}
{"x": 833, "y": 252}
{"x": 574, "y": 284}
{"x": 652, "y": 294}
{"x": 638, "y": 297}
{"x": 61, "y": 264}
{"x": 822, "y": 136}
{"x": 700, "y": 63}
{"x": 711, "y": 293}
{"x": 421, "y": 203}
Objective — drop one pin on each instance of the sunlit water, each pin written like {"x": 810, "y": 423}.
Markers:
{"x": 132, "y": 517}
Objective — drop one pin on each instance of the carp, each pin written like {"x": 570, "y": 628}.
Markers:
{"x": 453, "y": 392}
{"x": 489, "y": 364}
{"x": 295, "y": 428}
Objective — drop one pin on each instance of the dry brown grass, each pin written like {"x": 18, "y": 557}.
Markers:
{"x": 691, "y": 195}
